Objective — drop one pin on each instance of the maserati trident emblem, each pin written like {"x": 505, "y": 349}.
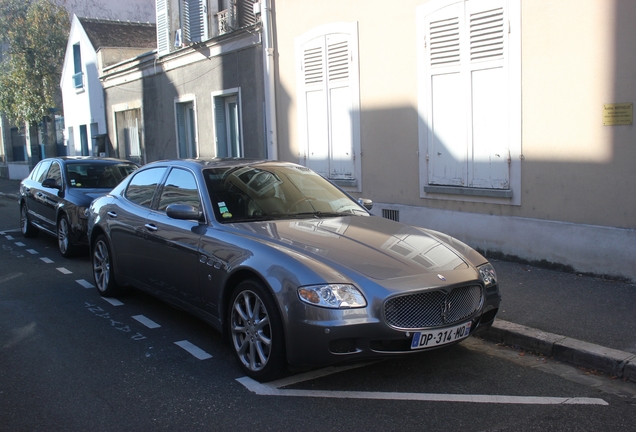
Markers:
{"x": 446, "y": 307}
{"x": 440, "y": 277}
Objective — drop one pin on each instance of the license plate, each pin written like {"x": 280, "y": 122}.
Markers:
{"x": 428, "y": 339}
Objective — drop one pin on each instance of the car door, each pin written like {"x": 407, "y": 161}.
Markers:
{"x": 46, "y": 199}
{"x": 173, "y": 245}
{"x": 32, "y": 187}
{"x": 126, "y": 219}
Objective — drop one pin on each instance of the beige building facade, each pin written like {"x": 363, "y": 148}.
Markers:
{"x": 507, "y": 124}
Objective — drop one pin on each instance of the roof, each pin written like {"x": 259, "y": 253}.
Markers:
{"x": 119, "y": 34}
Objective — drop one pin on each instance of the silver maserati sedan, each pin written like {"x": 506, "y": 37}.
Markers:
{"x": 289, "y": 267}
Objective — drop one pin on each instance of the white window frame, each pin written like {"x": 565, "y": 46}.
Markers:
{"x": 457, "y": 193}
{"x": 351, "y": 29}
{"x": 184, "y": 100}
{"x": 126, "y": 106}
{"x": 225, "y": 94}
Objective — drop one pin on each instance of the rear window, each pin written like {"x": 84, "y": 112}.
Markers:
{"x": 100, "y": 176}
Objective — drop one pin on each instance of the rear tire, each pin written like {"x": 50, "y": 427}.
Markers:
{"x": 27, "y": 228}
{"x": 64, "y": 238}
{"x": 103, "y": 270}
{"x": 256, "y": 332}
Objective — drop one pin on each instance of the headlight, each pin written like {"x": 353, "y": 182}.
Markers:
{"x": 332, "y": 296}
{"x": 488, "y": 275}
{"x": 83, "y": 212}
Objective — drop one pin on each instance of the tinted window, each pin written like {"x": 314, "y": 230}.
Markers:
{"x": 87, "y": 175}
{"x": 55, "y": 172}
{"x": 40, "y": 170}
{"x": 180, "y": 188}
{"x": 143, "y": 185}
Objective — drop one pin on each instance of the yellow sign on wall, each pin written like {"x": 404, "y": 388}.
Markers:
{"x": 618, "y": 114}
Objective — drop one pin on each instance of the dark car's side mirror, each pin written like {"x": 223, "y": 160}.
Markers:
{"x": 184, "y": 212}
{"x": 366, "y": 203}
{"x": 51, "y": 183}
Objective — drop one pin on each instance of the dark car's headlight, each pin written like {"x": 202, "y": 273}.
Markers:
{"x": 488, "y": 275}
{"x": 332, "y": 296}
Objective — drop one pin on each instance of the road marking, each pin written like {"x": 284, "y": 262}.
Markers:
{"x": 10, "y": 276}
{"x": 8, "y": 237}
{"x": 146, "y": 321}
{"x": 63, "y": 270}
{"x": 19, "y": 244}
{"x": 194, "y": 350}
{"x": 46, "y": 260}
{"x": 274, "y": 389}
{"x": 85, "y": 283}
{"x": 32, "y": 251}
{"x": 113, "y": 301}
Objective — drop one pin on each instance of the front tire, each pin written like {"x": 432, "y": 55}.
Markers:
{"x": 26, "y": 227}
{"x": 103, "y": 270}
{"x": 256, "y": 332}
{"x": 64, "y": 238}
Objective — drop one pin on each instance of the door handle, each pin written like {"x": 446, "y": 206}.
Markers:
{"x": 112, "y": 214}
{"x": 151, "y": 227}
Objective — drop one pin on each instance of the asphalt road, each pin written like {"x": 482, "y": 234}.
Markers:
{"x": 71, "y": 360}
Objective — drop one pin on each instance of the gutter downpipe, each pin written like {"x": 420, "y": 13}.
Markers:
{"x": 269, "y": 75}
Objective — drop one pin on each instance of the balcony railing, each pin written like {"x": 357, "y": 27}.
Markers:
{"x": 226, "y": 21}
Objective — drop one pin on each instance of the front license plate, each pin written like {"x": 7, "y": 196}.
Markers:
{"x": 428, "y": 339}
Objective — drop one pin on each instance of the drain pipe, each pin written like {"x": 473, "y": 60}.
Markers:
{"x": 269, "y": 75}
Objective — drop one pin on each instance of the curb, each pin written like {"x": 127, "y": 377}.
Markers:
{"x": 579, "y": 353}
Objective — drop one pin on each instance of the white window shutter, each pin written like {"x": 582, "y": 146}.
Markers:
{"x": 340, "y": 106}
{"x": 195, "y": 20}
{"x": 447, "y": 104}
{"x": 489, "y": 84}
{"x": 314, "y": 102}
{"x": 163, "y": 27}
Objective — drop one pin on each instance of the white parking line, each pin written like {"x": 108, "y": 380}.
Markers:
{"x": 8, "y": 237}
{"x": 63, "y": 270}
{"x": 274, "y": 389}
{"x": 10, "y": 276}
{"x": 146, "y": 321}
{"x": 32, "y": 251}
{"x": 46, "y": 260}
{"x": 85, "y": 283}
{"x": 20, "y": 244}
{"x": 194, "y": 350}
{"x": 113, "y": 301}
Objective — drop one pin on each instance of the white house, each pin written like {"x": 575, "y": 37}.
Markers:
{"x": 92, "y": 45}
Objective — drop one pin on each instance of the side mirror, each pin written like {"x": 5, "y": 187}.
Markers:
{"x": 184, "y": 212}
{"x": 366, "y": 203}
{"x": 51, "y": 183}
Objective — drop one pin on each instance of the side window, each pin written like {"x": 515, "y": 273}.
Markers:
{"x": 142, "y": 187}
{"x": 55, "y": 172}
{"x": 180, "y": 188}
{"x": 40, "y": 171}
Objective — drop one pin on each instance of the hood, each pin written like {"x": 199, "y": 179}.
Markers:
{"x": 86, "y": 196}
{"x": 375, "y": 247}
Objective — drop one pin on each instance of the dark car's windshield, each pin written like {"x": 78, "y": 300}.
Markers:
{"x": 101, "y": 176}
{"x": 269, "y": 192}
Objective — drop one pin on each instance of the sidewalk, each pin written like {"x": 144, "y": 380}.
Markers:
{"x": 586, "y": 321}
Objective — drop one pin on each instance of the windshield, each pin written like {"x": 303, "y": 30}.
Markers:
{"x": 97, "y": 176}
{"x": 275, "y": 192}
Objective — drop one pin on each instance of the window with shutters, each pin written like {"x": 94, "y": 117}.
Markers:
{"x": 186, "y": 130}
{"x": 329, "y": 102}
{"x": 226, "y": 107}
{"x": 163, "y": 27}
{"x": 194, "y": 21}
{"x": 469, "y": 60}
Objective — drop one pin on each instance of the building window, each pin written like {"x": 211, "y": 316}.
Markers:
{"x": 186, "y": 130}
{"x": 78, "y": 78}
{"x": 329, "y": 102}
{"x": 469, "y": 57}
{"x": 128, "y": 125}
{"x": 194, "y": 21}
{"x": 227, "y": 124}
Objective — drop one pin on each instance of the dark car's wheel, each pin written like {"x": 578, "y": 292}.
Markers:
{"x": 256, "y": 332}
{"x": 27, "y": 228}
{"x": 64, "y": 241}
{"x": 103, "y": 268}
